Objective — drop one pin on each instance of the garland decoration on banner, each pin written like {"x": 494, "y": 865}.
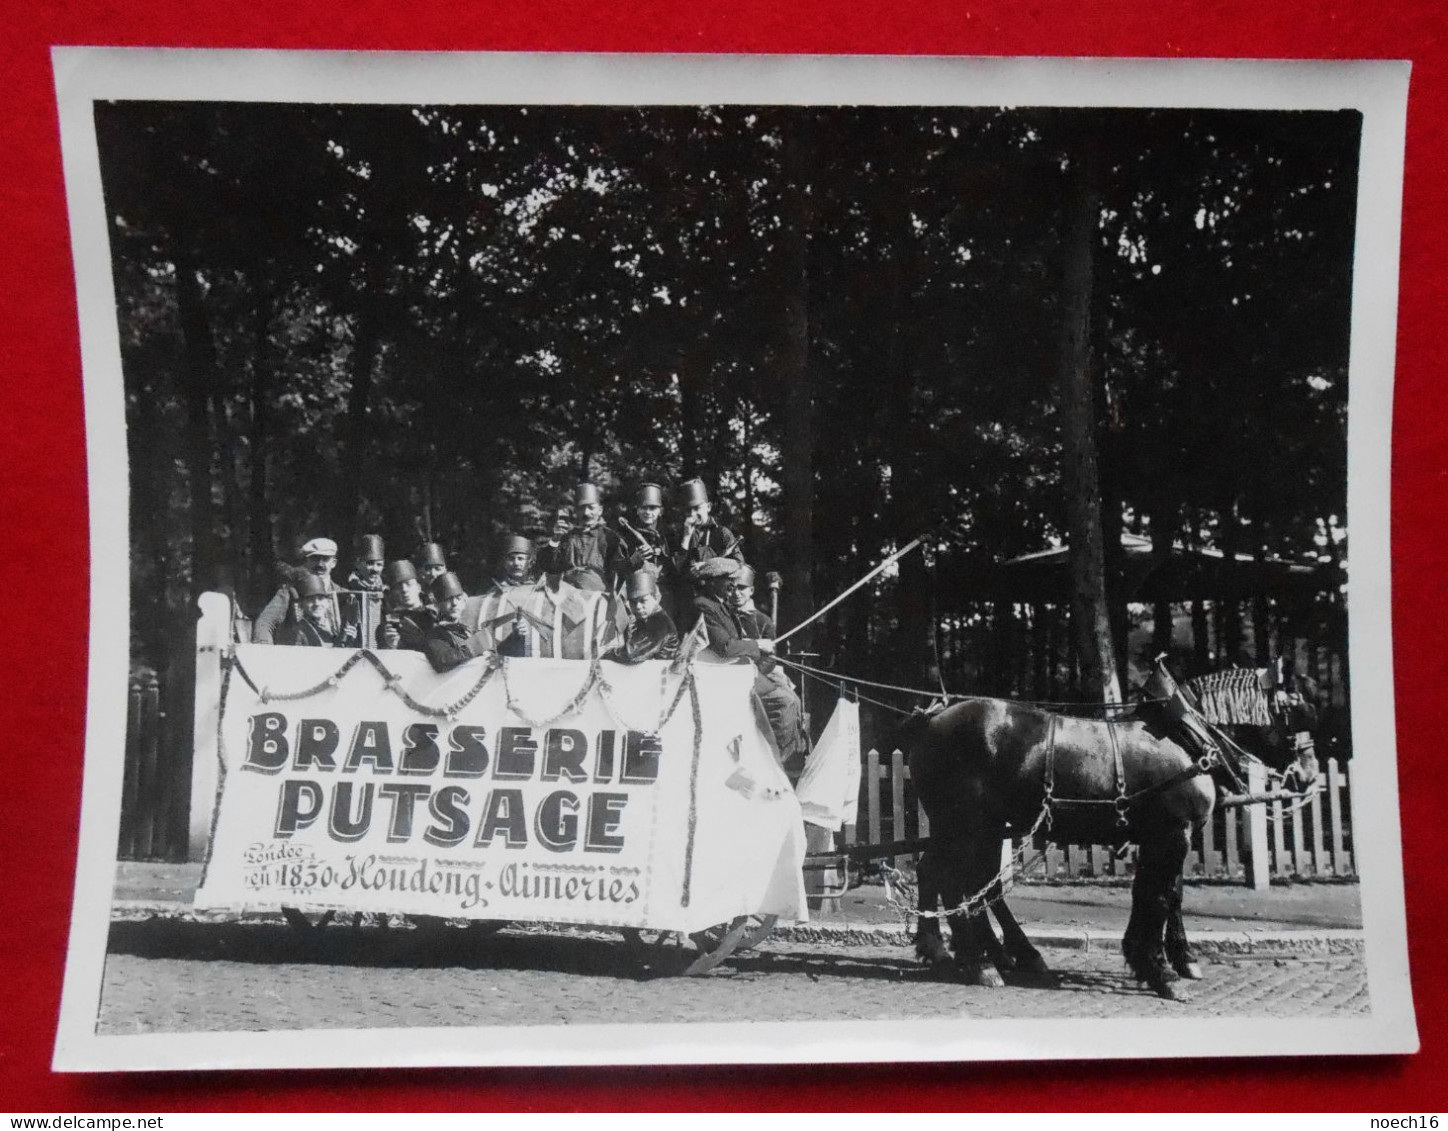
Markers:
{"x": 606, "y": 692}
{"x": 569, "y": 708}
{"x": 693, "y": 785}
{"x": 228, "y": 663}
{"x": 392, "y": 680}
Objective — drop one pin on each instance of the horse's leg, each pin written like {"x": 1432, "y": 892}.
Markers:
{"x": 977, "y": 951}
{"x": 1159, "y": 864}
{"x": 929, "y": 945}
{"x": 1026, "y": 958}
{"x": 1179, "y": 951}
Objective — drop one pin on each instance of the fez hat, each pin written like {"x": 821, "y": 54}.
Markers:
{"x": 641, "y": 583}
{"x": 369, "y": 546}
{"x": 310, "y": 585}
{"x": 431, "y": 554}
{"x": 395, "y": 573}
{"x": 648, "y": 495}
{"x": 446, "y": 586}
{"x": 716, "y": 568}
{"x": 692, "y": 493}
{"x": 516, "y": 544}
{"x": 745, "y": 574}
{"x": 319, "y": 548}
{"x": 586, "y": 493}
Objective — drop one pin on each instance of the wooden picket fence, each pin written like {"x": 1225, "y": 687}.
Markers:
{"x": 1313, "y": 841}
{"x": 155, "y": 785}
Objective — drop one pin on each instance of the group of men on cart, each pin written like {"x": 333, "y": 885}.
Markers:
{"x": 591, "y": 590}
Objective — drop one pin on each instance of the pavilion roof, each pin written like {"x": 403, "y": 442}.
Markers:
{"x": 1182, "y": 574}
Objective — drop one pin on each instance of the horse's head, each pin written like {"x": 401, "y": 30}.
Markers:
{"x": 1270, "y": 712}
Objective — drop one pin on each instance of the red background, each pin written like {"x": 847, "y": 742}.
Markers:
{"x": 44, "y": 547}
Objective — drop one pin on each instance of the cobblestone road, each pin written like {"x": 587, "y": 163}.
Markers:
{"x": 168, "y": 975}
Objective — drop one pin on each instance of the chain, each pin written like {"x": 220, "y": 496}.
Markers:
{"x": 978, "y": 902}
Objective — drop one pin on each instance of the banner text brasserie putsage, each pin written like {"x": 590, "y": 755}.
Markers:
{"x": 440, "y": 809}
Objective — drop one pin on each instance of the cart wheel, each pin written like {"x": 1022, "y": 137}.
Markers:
{"x": 715, "y": 945}
{"x": 300, "y": 921}
{"x": 757, "y": 931}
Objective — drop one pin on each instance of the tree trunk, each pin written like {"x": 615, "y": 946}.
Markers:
{"x": 691, "y": 413}
{"x": 1230, "y": 608}
{"x": 746, "y": 527}
{"x": 151, "y": 578}
{"x": 1261, "y": 610}
{"x": 1090, "y": 613}
{"x": 797, "y": 448}
{"x": 198, "y": 379}
{"x": 1161, "y": 609}
{"x": 263, "y": 548}
{"x": 366, "y": 344}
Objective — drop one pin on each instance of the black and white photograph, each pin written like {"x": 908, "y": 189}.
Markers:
{"x": 657, "y": 560}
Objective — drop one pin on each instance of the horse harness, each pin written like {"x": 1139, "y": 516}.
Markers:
{"x": 1210, "y": 759}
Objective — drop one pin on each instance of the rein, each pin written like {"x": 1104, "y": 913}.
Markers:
{"x": 825, "y": 676}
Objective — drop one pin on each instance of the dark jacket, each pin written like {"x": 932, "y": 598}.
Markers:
{"x": 594, "y": 552}
{"x": 411, "y": 625}
{"x": 732, "y": 633}
{"x": 712, "y": 541}
{"x": 653, "y": 638}
{"x": 303, "y": 633}
{"x": 284, "y": 611}
{"x": 448, "y": 645}
{"x": 631, "y": 544}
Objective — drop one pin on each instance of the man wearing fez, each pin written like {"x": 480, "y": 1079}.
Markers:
{"x": 651, "y": 634}
{"x": 502, "y": 613}
{"x": 319, "y": 558}
{"x": 644, "y": 545}
{"x": 405, "y": 619}
{"x": 587, "y": 556}
{"x": 313, "y": 627}
{"x": 450, "y": 642}
{"x": 733, "y": 633}
{"x": 365, "y": 587}
{"x": 431, "y": 563}
{"x": 701, "y": 538}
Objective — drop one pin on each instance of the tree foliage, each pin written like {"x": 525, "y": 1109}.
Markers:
{"x": 431, "y": 321}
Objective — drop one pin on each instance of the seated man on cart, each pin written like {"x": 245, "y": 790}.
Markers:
{"x": 733, "y": 633}
{"x": 405, "y": 619}
{"x": 651, "y": 634}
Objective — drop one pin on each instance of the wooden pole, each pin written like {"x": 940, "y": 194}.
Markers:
{"x": 213, "y": 635}
{"x": 1259, "y": 876}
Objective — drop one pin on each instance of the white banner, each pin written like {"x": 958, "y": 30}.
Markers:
{"x": 829, "y": 788}
{"x": 551, "y": 790}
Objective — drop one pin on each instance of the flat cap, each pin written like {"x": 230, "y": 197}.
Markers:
{"x": 319, "y": 548}
{"x": 716, "y": 567}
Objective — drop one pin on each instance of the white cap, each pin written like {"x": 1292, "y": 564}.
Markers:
{"x": 320, "y": 548}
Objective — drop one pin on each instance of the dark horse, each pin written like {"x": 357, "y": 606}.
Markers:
{"x": 981, "y": 770}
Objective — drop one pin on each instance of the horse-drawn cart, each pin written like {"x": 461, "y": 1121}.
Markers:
{"x": 642, "y": 798}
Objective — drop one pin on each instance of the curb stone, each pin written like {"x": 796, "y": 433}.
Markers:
{"x": 1220, "y": 944}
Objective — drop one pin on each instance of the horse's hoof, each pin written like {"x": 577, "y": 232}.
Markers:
{"x": 934, "y": 956}
{"x": 1032, "y": 964}
{"x": 1172, "y": 991}
{"x": 979, "y": 974}
{"x": 1189, "y": 970}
